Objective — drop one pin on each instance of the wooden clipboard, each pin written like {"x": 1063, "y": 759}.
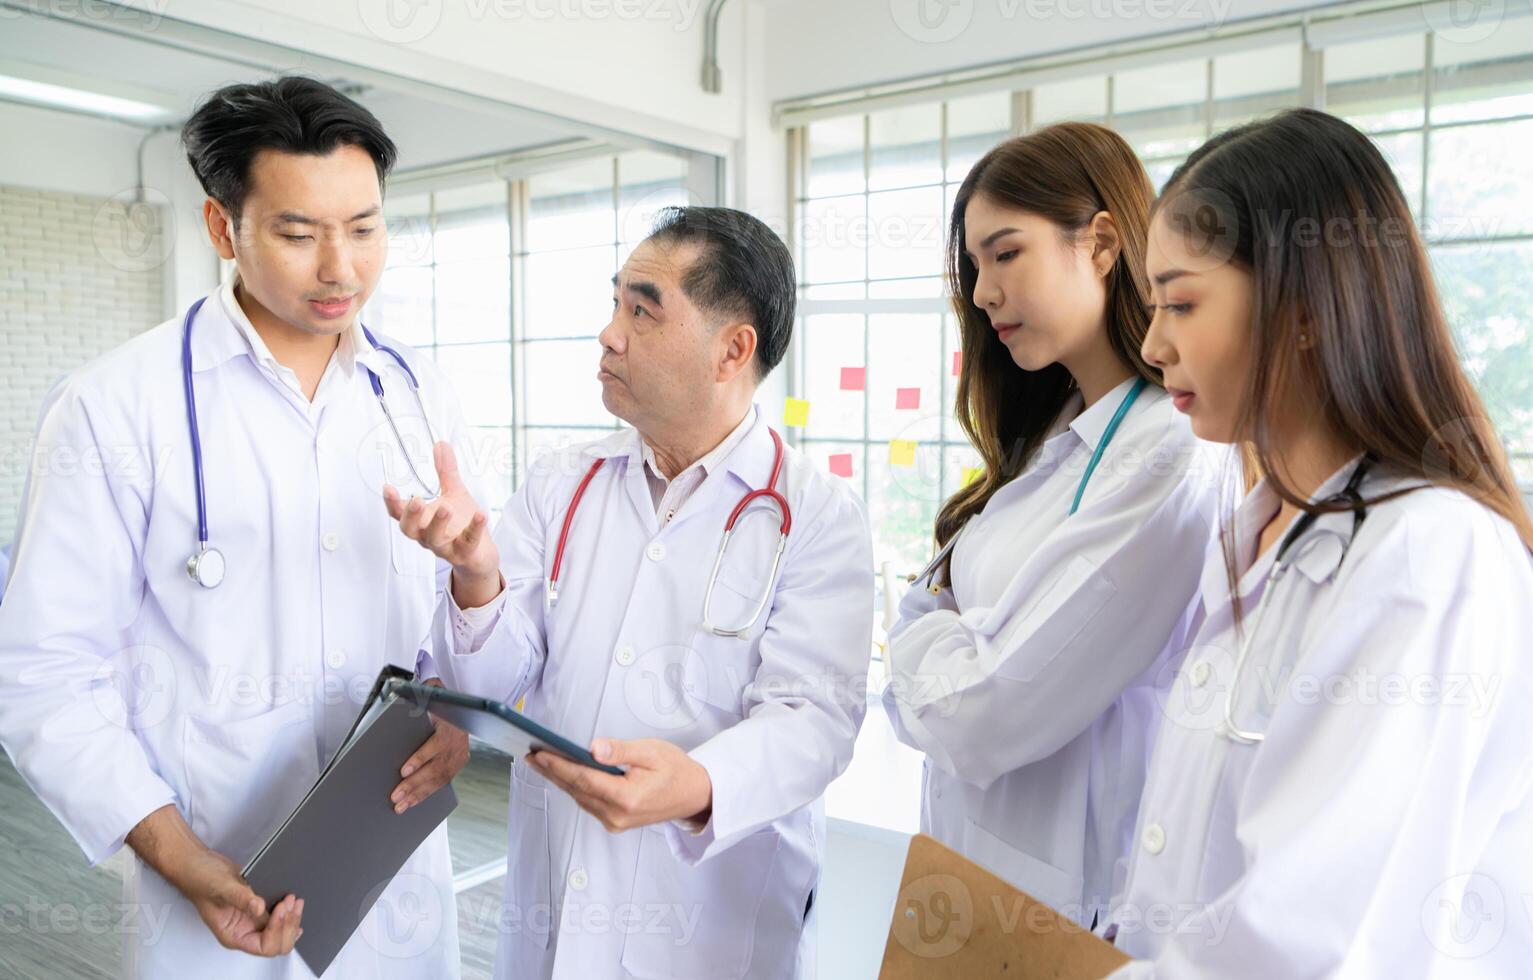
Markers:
{"x": 954, "y": 920}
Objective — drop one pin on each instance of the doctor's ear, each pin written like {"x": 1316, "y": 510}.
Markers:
{"x": 220, "y": 228}
{"x": 1106, "y": 242}
{"x": 739, "y": 350}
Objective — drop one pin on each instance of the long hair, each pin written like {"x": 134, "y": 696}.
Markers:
{"x": 1067, "y": 173}
{"x": 1308, "y": 206}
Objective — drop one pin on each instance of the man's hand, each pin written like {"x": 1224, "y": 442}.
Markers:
{"x": 452, "y": 527}
{"x": 433, "y": 765}
{"x": 235, "y": 915}
{"x": 662, "y": 783}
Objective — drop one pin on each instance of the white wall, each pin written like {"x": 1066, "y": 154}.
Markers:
{"x": 60, "y": 151}
{"x": 634, "y": 65}
{"x": 816, "y": 46}
{"x": 78, "y": 276}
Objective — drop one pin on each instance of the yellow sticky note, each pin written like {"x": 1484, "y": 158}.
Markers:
{"x": 902, "y": 452}
{"x": 796, "y": 412}
{"x": 972, "y": 473}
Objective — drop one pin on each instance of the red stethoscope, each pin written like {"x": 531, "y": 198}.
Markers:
{"x": 770, "y": 492}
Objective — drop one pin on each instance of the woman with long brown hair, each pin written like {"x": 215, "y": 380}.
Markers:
{"x": 1019, "y": 662}
{"x": 1341, "y": 786}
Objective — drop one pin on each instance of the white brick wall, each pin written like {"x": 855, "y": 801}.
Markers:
{"x": 78, "y": 276}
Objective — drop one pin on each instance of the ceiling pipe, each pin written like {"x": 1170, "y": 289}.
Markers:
{"x": 713, "y": 79}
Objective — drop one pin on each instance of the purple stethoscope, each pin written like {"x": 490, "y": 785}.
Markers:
{"x": 207, "y": 566}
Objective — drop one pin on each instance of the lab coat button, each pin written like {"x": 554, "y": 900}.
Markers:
{"x": 1200, "y": 674}
{"x": 656, "y": 552}
{"x": 625, "y": 656}
{"x": 1153, "y": 838}
{"x": 335, "y": 659}
{"x": 579, "y": 880}
{"x": 331, "y": 541}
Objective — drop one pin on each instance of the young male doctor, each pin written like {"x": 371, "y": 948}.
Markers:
{"x": 203, "y": 588}
{"x": 731, "y": 690}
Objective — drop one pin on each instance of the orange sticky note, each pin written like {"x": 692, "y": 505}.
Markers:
{"x": 907, "y": 398}
{"x": 957, "y": 363}
{"x": 902, "y": 452}
{"x": 841, "y": 464}
{"x": 796, "y": 412}
{"x": 971, "y": 473}
{"x": 854, "y": 379}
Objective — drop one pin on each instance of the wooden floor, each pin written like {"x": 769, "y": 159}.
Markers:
{"x": 57, "y": 916}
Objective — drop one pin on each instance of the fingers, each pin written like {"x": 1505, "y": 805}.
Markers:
{"x": 446, "y": 468}
{"x": 283, "y": 929}
{"x": 616, "y": 752}
{"x": 577, "y": 780}
{"x": 437, "y": 533}
{"x": 475, "y": 530}
{"x": 393, "y": 502}
{"x": 433, "y": 766}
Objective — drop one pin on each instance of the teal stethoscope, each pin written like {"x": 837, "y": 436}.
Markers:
{"x": 1080, "y": 491}
{"x": 207, "y": 566}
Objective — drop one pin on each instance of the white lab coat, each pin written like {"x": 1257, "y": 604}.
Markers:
{"x": 1029, "y": 683}
{"x": 125, "y": 686}
{"x": 1383, "y": 827}
{"x": 772, "y": 717}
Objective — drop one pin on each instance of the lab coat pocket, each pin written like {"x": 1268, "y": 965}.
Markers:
{"x": 244, "y": 777}
{"x": 409, "y": 557}
{"x": 1058, "y": 889}
{"x": 728, "y": 664}
{"x": 1055, "y": 622}
{"x": 700, "y": 921}
{"x": 530, "y": 888}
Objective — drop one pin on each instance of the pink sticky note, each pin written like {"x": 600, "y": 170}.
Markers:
{"x": 907, "y": 398}
{"x": 957, "y": 363}
{"x": 841, "y": 464}
{"x": 854, "y": 378}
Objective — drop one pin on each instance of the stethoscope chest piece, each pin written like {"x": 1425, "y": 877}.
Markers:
{"x": 207, "y": 568}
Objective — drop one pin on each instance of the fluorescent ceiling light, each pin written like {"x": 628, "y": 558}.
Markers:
{"x": 41, "y": 85}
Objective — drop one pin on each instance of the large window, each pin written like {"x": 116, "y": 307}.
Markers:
{"x": 1456, "y": 121}
{"x": 876, "y": 346}
{"x": 506, "y": 284}
{"x": 874, "y": 191}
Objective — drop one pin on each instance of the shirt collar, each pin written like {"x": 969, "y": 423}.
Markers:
{"x": 709, "y": 462}
{"x": 352, "y": 349}
{"x": 1091, "y": 423}
{"x": 747, "y": 452}
{"x": 1317, "y": 562}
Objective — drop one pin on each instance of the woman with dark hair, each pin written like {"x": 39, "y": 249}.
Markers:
{"x": 1341, "y": 784}
{"x": 1021, "y": 661}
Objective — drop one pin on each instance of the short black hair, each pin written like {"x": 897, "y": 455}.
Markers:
{"x": 291, "y": 114}
{"x": 744, "y": 270}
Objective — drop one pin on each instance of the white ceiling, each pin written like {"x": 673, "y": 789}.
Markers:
{"x": 427, "y": 131}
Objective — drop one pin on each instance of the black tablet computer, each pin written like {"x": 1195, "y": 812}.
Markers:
{"x": 491, "y": 721}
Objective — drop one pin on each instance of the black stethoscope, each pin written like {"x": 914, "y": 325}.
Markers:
{"x": 207, "y": 566}
{"x": 1349, "y": 495}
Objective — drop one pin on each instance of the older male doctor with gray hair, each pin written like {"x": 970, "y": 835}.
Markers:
{"x": 730, "y": 692}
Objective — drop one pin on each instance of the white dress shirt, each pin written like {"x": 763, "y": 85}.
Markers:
{"x": 1383, "y": 827}
{"x": 1029, "y": 683}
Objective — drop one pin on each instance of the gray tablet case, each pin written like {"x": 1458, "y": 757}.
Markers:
{"x": 344, "y": 843}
